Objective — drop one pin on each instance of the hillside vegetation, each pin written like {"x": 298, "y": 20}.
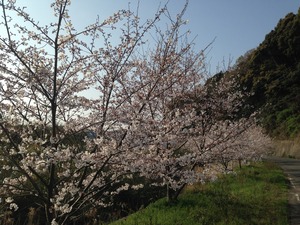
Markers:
{"x": 272, "y": 73}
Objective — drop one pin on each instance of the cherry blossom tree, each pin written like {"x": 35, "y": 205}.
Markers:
{"x": 67, "y": 152}
{"x": 81, "y": 111}
{"x": 215, "y": 131}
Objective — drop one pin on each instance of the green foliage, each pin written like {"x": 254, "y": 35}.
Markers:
{"x": 272, "y": 73}
{"x": 256, "y": 194}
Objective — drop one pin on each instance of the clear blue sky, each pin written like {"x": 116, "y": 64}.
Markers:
{"x": 238, "y": 25}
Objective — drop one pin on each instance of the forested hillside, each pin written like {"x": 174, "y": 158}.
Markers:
{"x": 272, "y": 73}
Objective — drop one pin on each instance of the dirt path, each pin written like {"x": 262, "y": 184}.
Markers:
{"x": 292, "y": 168}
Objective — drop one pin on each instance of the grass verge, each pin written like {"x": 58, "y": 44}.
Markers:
{"x": 255, "y": 194}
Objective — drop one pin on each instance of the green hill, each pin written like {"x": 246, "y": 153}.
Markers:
{"x": 272, "y": 73}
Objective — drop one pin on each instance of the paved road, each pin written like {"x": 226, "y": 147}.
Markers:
{"x": 292, "y": 168}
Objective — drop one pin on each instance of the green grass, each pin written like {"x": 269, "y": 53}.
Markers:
{"x": 256, "y": 194}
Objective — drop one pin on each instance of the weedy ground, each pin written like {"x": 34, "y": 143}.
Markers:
{"x": 253, "y": 195}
